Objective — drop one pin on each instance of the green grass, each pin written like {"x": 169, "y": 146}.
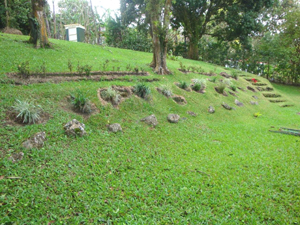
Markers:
{"x": 221, "y": 168}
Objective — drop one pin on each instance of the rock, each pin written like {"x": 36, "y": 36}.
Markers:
{"x": 151, "y": 120}
{"x": 226, "y": 106}
{"x": 238, "y": 103}
{"x": 75, "y": 128}
{"x": 179, "y": 100}
{"x": 211, "y": 109}
{"x": 114, "y": 127}
{"x": 36, "y": 141}
{"x": 253, "y": 103}
{"x": 173, "y": 118}
{"x": 16, "y": 157}
{"x": 192, "y": 113}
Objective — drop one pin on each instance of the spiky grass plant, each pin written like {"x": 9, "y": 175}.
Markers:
{"x": 227, "y": 81}
{"x": 142, "y": 90}
{"x": 111, "y": 95}
{"x": 183, "y": 84}
{"x": 27, "y": 111}
{"x": 221, "y": 87}
{"x": 80, "y": 102}
{"x": 199, "y": 84}
{"x": 166, "y": 90}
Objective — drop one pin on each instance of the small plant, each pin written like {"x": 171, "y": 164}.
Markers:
{"x": 27, "y": 111}
{"x": 105, "y": 65}
{"x": 221, "y": 87}
{"x": 257, "y": 114}
{"x": 211, "y": 73}
{"x": 80, "y": 69}
{"x": 227, "y": 81}
{"x": 129, "y": 67}
{"x": 80, "y": 102}
{"x": 111, "y": 95}
{"x": 233, "y": 87}
{"x": 234, "y": 74}
{"x": 183, "y": 84}
{"x": 87, "y": 69}
{"x": 70, "y": 66}
{"x": 199, "y": 84}
{"x": 213, "y": 79}
{"x": 23, "y": 69}
{"x": 166, "y": 90}
{"x": 182, "y": 67}
{"x": 171, "y": 56}
{"x": 136, "y": 69}
{"x": 43, "y": 68}
{"x": 142, "y": 90}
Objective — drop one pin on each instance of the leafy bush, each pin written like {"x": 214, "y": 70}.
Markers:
{"x": 234, "y": 74}
{"x": 213, "y": 79}
{"x": 27, "y": 111}
{"x": 196, "y": 87}
{"x": 142, "y": 90}
{"x": 182, "y": 67}
{"x": 201, "y": 82}
{"x": 221, "y": 87}
{"x": 111, "y": 95}
{"x": 233, "y": 87}
{"x": 166, "y": 90}
{"x": 227, "y": 81}
{"x": 84, "y": 69}
{"x": 23, "y": 69}
{"x": 80, "y": 102}
{"x": 183, "y": 84}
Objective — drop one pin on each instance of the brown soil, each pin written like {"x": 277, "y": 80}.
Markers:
{"x": 12, "y": 120}
{"x": 67, "y": 77}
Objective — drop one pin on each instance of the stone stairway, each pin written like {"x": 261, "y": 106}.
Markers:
{"x": 268, "y": 92}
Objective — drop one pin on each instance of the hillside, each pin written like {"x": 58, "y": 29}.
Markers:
{"x": 220, "y": 168}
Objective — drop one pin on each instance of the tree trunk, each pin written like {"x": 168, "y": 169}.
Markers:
{"x": 193, "y": 50}
{"x": 38, "y": 30}
{"x": 7, "y": 14}
{"x": 159, "y": 27}
{"x": 54, "y": 22}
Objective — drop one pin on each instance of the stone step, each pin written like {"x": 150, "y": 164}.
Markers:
{"x": 277, "y": 100}
{"x": 265, "y": 88}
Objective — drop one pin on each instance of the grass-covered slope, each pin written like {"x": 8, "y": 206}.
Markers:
{"x": 221, "y": 168}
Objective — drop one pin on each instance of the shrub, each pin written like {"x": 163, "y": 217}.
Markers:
{"x": 201, "y": 82}
{"x": 213, "y": 79}
{"x": 227, "y": 81}
{"x": 183, "y": 84}
{"x": 43, "y": 68}
{"x": 87, "y": 69}
{"x": 23, "y": 69}
{"x": 111, "y": 95}
{"x": 142, "y": 90}
{"x": 166, "y": 90}
{"x": 27, "y": 111}
{"x": 234, "y": 74}
{"x": 196, "y": 87}
{"x": 80, "y": 102}
{"x": 182, "y": 67}
{"x": 233, "y": 87}
{"x": 221, "y": 87}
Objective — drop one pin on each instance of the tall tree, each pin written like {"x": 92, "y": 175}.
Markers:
{"x": 38, "y": 31}
{"x": 159, "y": 13}
{"x": 227, "y": 19}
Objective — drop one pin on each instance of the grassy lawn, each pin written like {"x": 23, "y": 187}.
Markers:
{"x": 221, "y": 168}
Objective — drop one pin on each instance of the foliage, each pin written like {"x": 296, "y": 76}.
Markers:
{"x": 233, "y": 87}
{"x": 142, "y": 90}
{"x": 24, "y": 69}
{"x": 43, "y": 68}
{"x": 234, "y": 74}
{"x": 227, "y": 81}
{"x": 80, "y": 102}
{"x": 221, "y": 87}
{"x": 257, "y": 114}
{"x": 84, "y": 69}
{"x": 111, "y": 95}
{"x": 213, "y": 79}
{"x": 27, "y": 111}
{"x": 199, "y": 83}
{"x": 166, "y": 90}
{"x": 70, "y": 66}
{"x": 183, "y": 84}
{"x": 105, "y": 65}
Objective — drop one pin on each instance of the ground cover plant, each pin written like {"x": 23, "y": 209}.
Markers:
{"x": 221, "y": 168}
